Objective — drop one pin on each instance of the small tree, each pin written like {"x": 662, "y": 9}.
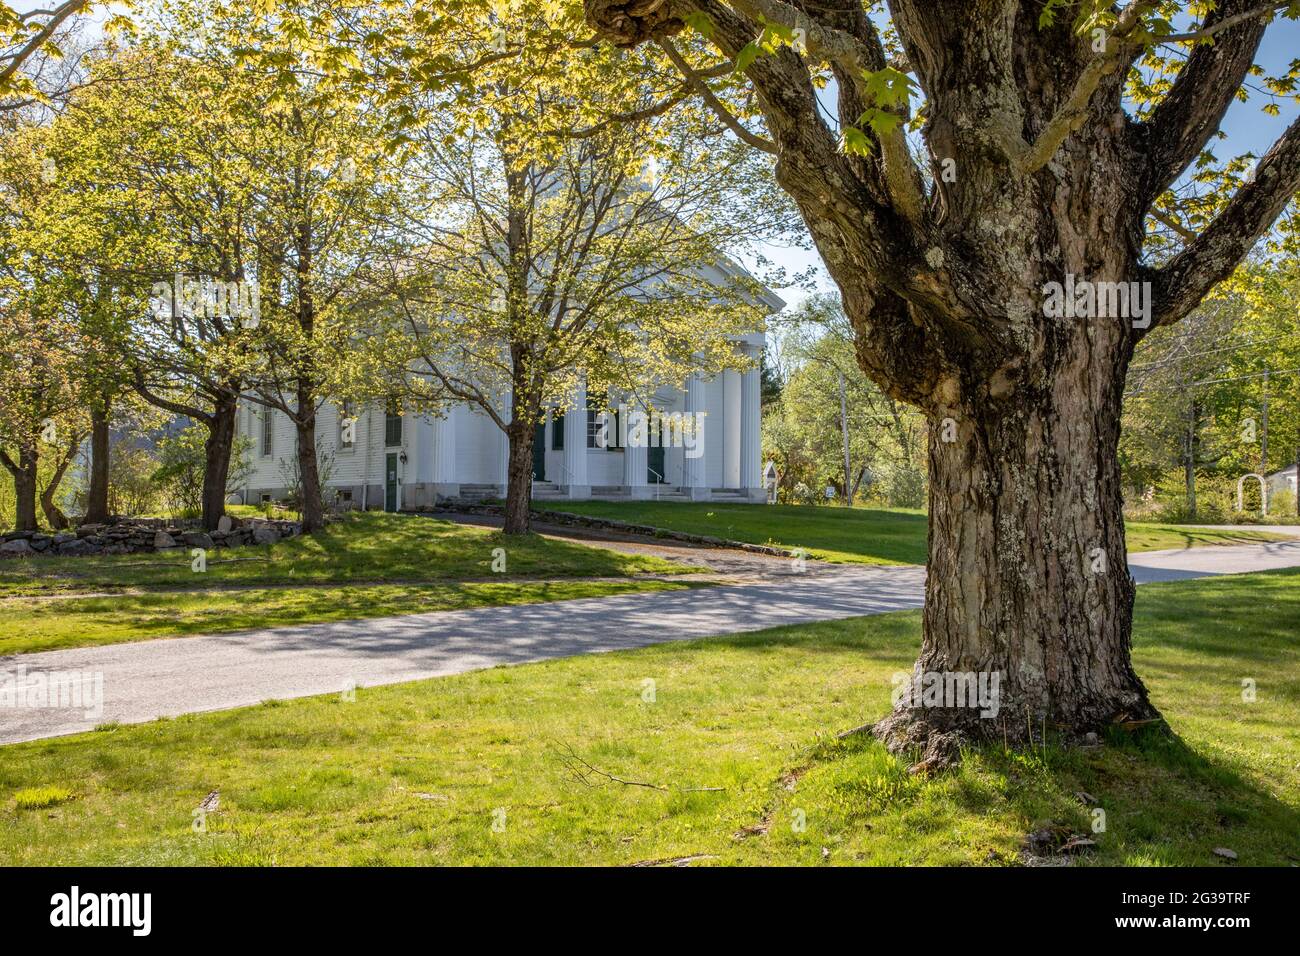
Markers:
{"x": 156, "y": 213}
{"x": 540, "y": 265}
{"x": 40, "y": 361}
{"x": 846, "y": 424}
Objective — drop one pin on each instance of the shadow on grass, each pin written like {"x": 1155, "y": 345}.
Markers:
{"x": 1144, "y": 799}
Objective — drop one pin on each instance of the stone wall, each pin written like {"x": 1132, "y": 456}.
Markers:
{"x": 142, "y": 535}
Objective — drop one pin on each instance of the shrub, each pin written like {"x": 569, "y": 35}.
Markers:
{"x": 183, "y": 457}
{"x": 905, "y": 486}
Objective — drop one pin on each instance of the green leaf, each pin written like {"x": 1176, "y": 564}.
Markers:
{"x": 747, "y": 55}
{"x": 854, "y": 142}
{"x": 1048, "y": 16}
{"x": 888, "y": 87}
{"x": 881, "y": 122}
{"x": 699, "y": 21}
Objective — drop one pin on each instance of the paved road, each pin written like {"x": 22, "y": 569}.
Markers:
{"x": 151, "y": 679}
{"x": 1219, "y": 559}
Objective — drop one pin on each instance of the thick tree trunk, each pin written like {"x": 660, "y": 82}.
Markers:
{"x": 24, "y": 475}
{"x": 97, "y": 494}
{"x": 216, "y": 465}
{"x": 1028, "y": 586}
{"x": 519, "y": 477}
{"x": 313, "y": 502}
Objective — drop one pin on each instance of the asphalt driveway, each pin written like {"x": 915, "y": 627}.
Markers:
{"x": 149, "y": 679}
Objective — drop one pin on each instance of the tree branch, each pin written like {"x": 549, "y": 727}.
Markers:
{"x": 854, "y": 56}
{"x": 1172, "y": 223}
{"x": 1071, "y": 115}
{"x": 57, "y": 16}
{"x": 1183, "y": 122}
{"x": 711, "y": 100}
{"x": 1214, "y": 254}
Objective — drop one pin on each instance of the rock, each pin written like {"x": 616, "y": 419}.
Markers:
{"x": 40, "y": 542}
{"x": 16, "y": 546}
{"x": 75, "y": 546}
{"x": 226, "y": 524}
{"x": 163, "y": 540}
{"x": 1224, "y": 852}
{"x": 197, "y": 539}
{"x": 64, "y": 537}
{"x": 265, "y": 536}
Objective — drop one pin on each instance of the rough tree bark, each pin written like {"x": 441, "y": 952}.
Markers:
{"x": 97, "y": 493}
{"x": 313, "y": 501}
{"x": 519, "y": 477}
{"x": 1039, "y": 177}
{"x": 24, "y": 472}
{"x": 216, "y": 458}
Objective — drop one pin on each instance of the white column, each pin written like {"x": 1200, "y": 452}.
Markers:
{"x": 636, "y": 454}
{"x": 409, "y": 473}
{"x": 751, "y": 441}
{"x": 574, "y": 474}
{"x": 693, "y": 468}
{"x": 445, "y": 478}
{"x": 730, "y": 426}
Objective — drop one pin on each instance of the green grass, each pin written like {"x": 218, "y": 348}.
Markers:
{"x": 853, "y": 535}
{"x": 419, "y": 773}
{"x": 849, "y": 535}
{"x": 1161, "y": 537}
{"x": 361, "y": 548}
{"x": 362, "y": 566}
{"x": 38, "y": 798}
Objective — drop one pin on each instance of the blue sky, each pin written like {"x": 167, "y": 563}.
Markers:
{"x": 1247, "y": 129}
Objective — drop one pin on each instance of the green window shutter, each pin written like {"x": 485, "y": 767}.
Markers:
{"x": 392, "y": 427}
{"x": 268, "y": 431}
{"x": 557, "y": 431}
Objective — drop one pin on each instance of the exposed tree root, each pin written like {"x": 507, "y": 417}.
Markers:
{"x": 939, "y": 735}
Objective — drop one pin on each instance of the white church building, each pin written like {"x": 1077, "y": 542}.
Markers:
{"x": 399, "y": 460}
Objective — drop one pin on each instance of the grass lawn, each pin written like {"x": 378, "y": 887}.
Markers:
{"x": 853, "y": 535}
{"x": 362, "y": 566}
{"x": 485, "y": 767}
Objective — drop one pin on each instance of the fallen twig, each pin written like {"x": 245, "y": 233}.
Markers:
{"x": 584, "y": 772}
